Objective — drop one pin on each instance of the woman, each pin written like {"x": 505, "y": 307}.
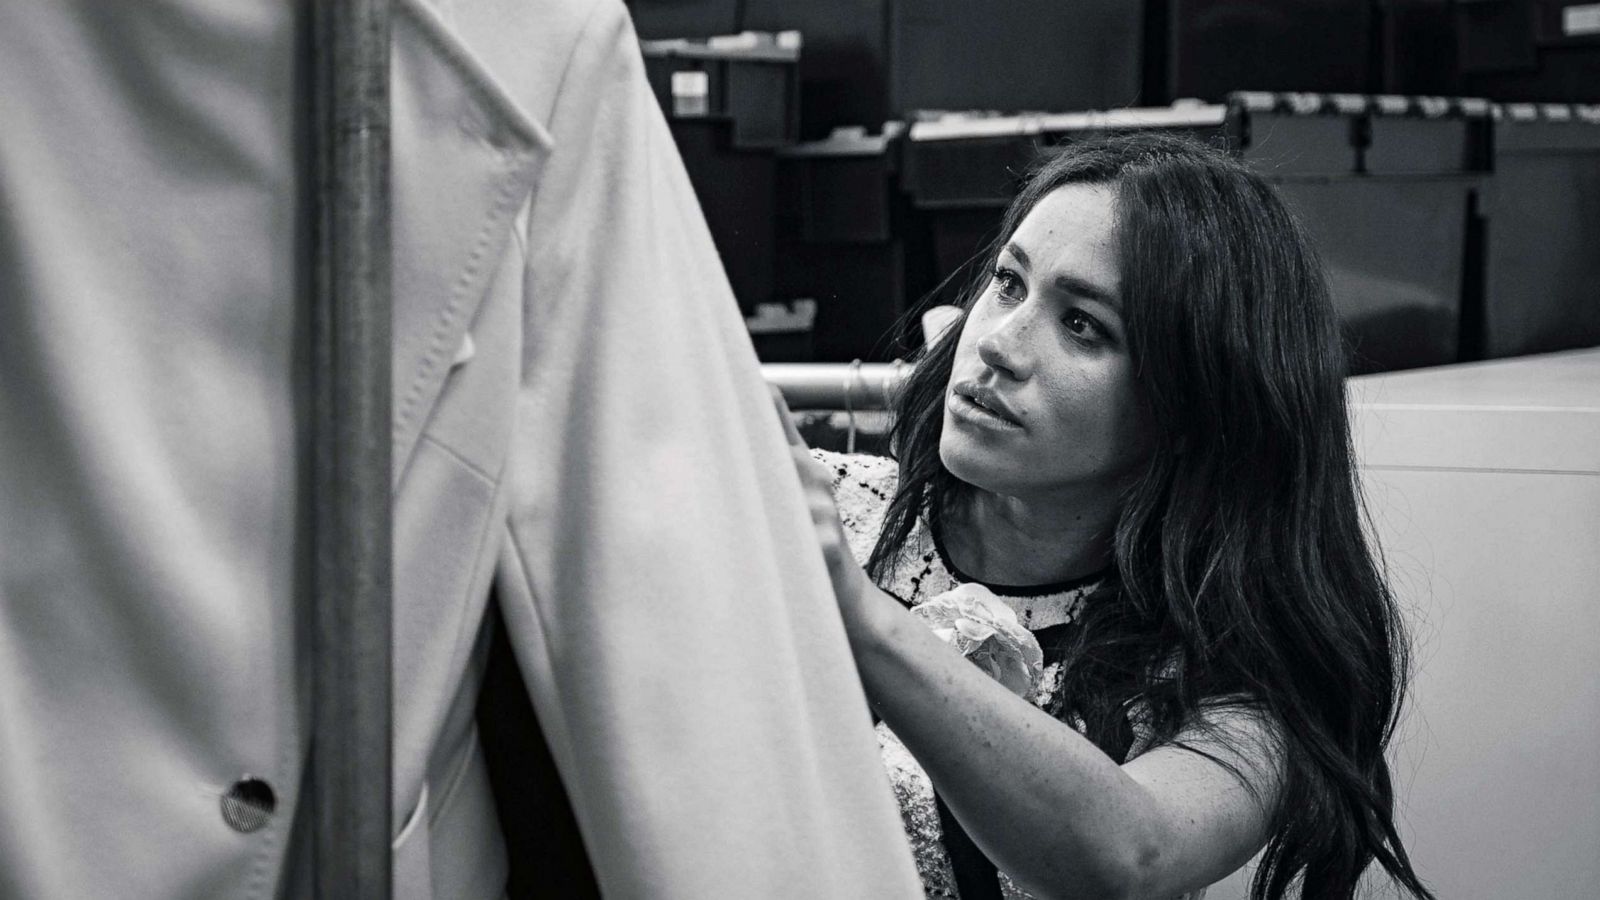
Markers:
{"x": 1136, "y": 439}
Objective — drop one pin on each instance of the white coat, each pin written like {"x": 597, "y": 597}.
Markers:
{"x": 578, "y": 416}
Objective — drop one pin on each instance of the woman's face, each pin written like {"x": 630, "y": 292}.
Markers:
{"x": 1041, "y": 399}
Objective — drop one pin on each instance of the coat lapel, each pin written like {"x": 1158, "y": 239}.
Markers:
{"x": 464, "y": 161}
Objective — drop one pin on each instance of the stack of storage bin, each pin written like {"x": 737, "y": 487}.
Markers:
{"x": 1452, "y": 229}
{"x": 961, "y": 171}
{"x": 731, "y": 101}
{"x": 840, "y": 241}
{"x": 1388, "y": 187}
{"x": 1392, "y": 209}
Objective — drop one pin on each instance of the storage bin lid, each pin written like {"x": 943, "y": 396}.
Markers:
{"x": 1546, "y": 127}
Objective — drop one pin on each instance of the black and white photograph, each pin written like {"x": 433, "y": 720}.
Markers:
{"x": 820, "y": 449}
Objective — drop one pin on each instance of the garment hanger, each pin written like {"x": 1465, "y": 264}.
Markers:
{"x": 852, "y": 378}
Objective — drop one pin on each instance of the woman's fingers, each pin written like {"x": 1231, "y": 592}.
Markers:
{"x": 843, "y": 570}
{"x": 817, "y": 485}
{"x": 813, "y": 475}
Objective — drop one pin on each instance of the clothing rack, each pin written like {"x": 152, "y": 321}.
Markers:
{"x": 850, "y": 386}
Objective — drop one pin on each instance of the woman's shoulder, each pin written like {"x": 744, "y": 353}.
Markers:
{"x": 863, "y": 486}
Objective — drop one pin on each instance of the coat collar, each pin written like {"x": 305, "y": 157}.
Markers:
{"x": 464, "y": 161}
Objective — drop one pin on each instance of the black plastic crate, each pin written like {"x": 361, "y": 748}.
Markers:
{"x": 1211, "y": 48}
{"x": 784, "y": 332}
{"x": 840, "y": 189}
{"x": 1013, "y": 56}
{"x": 842, "y": 240}
{"x": 860, "y": 295}
{"x": 1427, "y": 136}
{"x": 1286, "y": 134}
{"x": 966, "y": 161}
{"x": 1397, "y": 253}
{"x": 737, "y": 193}
{"x": 1542, "y": 274}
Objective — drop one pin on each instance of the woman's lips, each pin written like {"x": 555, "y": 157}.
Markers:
{"x": 969, "y": 409}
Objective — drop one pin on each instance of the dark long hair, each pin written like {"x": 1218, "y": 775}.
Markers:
{"x": 1242, "y": 571}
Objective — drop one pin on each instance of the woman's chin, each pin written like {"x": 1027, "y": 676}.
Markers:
{"x": 971, "y": 462}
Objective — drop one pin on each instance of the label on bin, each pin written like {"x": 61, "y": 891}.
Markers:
{"x": 691, "y": 93}
{"x": 779, "y": 318}
{"x": 1580, "y": 20}
{"x": 1349, "y": 104}
{"x": 1303, "y": 103}
{"x": 1392, "y": 104}
{"x": 1522, "y": 112}
{"x": 1434, "y": 107}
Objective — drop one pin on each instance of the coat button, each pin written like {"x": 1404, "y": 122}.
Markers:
{"x": 248, "y": 804}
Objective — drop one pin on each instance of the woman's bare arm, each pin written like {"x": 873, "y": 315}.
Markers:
{"x": 1050, "y": 808}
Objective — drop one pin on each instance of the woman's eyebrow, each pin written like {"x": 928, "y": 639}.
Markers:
{"x": 1072, "y": 284}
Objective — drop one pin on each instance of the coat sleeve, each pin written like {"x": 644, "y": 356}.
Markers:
{"x": 660, "y": 579}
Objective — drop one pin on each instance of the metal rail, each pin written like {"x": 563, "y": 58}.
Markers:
{"x": 847, "y": 386}
{"x": 350, "y": 404}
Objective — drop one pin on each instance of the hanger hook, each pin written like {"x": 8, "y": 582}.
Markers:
{"x": 850, "y": 381}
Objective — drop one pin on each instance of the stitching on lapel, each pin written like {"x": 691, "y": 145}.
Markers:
{"x": 437, "y": 344}
{"x": 477, "y": 79}
{"x": 480, "y": 85}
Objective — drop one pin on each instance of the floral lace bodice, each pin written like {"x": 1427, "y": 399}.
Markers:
{"x": 862, "y": 488}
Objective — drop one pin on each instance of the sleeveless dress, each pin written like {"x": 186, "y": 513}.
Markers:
{"x": 945, "y": 856}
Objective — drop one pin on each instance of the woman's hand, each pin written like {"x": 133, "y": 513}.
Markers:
{"x": 851, "y": 586}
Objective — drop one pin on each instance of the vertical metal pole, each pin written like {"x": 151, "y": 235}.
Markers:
{"x": 351, "y": 522}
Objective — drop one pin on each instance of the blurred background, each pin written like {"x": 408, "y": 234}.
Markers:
{"x": 851, "y": 155}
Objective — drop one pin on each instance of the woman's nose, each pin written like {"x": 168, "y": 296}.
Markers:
{"x": 1004, "y": 348}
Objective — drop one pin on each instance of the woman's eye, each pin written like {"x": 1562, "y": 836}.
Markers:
{"x": 1007, "y": 284}
{"x": 1082, "y": 324}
